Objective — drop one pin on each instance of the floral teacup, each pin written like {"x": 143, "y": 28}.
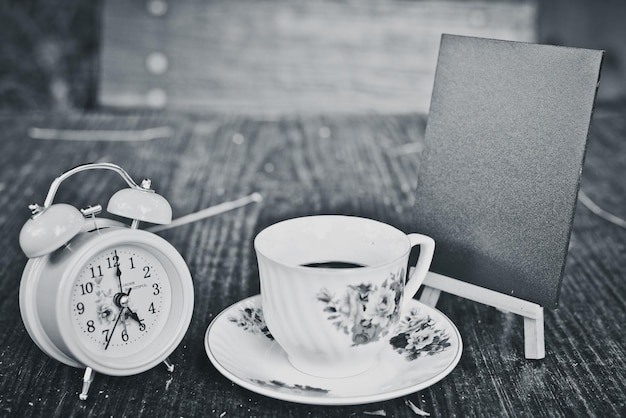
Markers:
{"x": 332, "y": 288}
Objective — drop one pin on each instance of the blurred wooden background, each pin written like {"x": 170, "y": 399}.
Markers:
{"x": 56, "y": 55}
{"x": 286, "y": 56}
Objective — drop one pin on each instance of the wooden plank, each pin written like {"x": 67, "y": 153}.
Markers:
{"x": 289, "y": 57}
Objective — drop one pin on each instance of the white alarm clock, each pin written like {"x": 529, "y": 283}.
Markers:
{"x": 99, "y": 294}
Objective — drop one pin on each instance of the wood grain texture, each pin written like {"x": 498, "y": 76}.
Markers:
{"x": 290, "y": 56}
{"x": 308, "y": 165}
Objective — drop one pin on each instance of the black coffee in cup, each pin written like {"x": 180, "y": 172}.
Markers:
{"x": 333, "y": 265}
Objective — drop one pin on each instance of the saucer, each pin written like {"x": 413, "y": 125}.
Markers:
{"x": 426, "y": 348}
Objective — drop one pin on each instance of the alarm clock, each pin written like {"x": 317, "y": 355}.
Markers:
{"x": 99, "y": 294}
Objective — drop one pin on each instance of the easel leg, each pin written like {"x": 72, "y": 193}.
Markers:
{"x": 534, "y": 342}
{"x": 430, "y": 296}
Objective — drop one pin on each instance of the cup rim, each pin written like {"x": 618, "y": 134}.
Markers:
{"x": 333, "y": 271}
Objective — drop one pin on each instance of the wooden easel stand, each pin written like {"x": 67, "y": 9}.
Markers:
{"x": 534, "y": 343}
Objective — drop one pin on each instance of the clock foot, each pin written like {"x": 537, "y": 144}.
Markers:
{"x": 169, "y": 365}
{"x": 87, "y": 379}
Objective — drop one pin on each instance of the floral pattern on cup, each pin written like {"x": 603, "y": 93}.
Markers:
{"x": 365, "y": 311}
{"x": 251, "y": 319}
{"x": 417, "y": 336}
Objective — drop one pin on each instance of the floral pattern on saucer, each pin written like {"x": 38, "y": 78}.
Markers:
{"x": 277, "y": 384}
{"x": 417, "y": 336}
{"x": 251, "y": 319}
{"x": 426, "y": 348}
{"x": 365, "y": 311}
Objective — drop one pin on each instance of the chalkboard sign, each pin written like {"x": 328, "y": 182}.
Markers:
{"x": 505, "y": 143}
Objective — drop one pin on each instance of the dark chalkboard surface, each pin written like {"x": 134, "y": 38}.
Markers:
{"x": 505, "y": 143}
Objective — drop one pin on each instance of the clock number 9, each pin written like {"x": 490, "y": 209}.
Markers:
{"x": 80, "y": 307}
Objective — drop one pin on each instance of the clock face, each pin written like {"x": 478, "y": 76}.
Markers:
{"x": 120, "y": 301}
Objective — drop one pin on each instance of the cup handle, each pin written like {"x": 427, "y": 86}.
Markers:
{"x": 427, "y": 250}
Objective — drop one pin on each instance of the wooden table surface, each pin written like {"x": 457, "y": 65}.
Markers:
{"x": 359, "y": 165}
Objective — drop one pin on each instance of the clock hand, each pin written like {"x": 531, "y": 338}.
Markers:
{"x": 118, "y": 272}
{"x": 113, "y": 330}
{"x": 121, "y": 300}
{"x": 133, "y": 315}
